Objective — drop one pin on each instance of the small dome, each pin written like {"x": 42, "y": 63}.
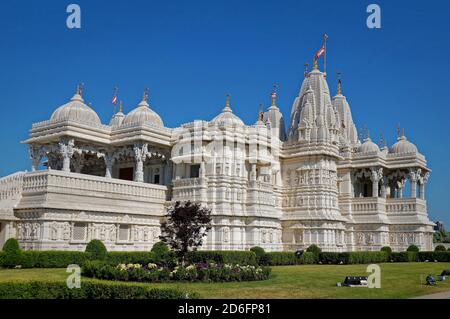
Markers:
{"x": 368, "y": 147}
{"x": 403, "y": 146}
{"x": 117, "y": 119}
{"x": 142, "y": 114}
{"x": 75, "y": 110}
{"x": 227, "y": 117}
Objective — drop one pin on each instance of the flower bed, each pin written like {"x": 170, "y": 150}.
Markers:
{"x": 157, "y": 273}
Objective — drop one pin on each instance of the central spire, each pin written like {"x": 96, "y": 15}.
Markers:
{"x": 227, "y": 107}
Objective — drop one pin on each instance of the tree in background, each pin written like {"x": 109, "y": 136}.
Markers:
{"x": 186, "y": 226}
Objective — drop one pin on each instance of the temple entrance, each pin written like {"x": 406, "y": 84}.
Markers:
{"x": 126, "y": 173}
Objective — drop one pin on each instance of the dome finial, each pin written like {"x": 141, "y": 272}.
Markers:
{"x": 145, "y": 96}
{"x": 339, "y": 91}
{"x": 274, "y": 95}
{"x": 227, "y": 103}
{"x": 306, "y": 70}
{"x": 260, "y": 112}
{"x": 80, "y": 89}
{"x": 120, "y": 107}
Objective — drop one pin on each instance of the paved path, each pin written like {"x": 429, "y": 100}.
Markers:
{"x": 438, "y": 295}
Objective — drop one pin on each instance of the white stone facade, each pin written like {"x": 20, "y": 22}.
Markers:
{"x": 318, "y": 183}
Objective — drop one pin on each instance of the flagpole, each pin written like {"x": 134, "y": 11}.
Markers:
{"x": 325, "y": 37}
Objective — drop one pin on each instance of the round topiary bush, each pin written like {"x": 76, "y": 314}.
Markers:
{"x": 413, "y": 248}
{"x": 12, "y": 253}
{"x": 314, "y": 249}
{"x": 440, "y": 248}
{"x": 387, "y": 249}
{"x": 11, "y": 246}
{"x": 160, "y": 249}
{"x": 260, "y": 253}
{"x": 97, "y": 249}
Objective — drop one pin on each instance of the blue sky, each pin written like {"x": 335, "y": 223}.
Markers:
{"x": 191, "y": 53}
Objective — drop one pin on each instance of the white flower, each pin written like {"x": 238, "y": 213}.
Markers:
{"x": 152, "y": 266}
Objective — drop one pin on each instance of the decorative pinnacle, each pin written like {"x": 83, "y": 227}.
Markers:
{"x": 227, "y": 107}
{"x": 339, "y": 91}
{"x": 274, "y": 95}
{"x": 120, "y": 106}
{"x": 260, "y": 112}
{"x": 80, "y": 88}
{"x": 146, "y": 94}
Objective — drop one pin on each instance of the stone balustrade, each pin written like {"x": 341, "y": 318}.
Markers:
{"x": 11, "y": 186}
{"x": 411, "y": 205}
{"x": 389, "y": 205}
{"x": 42, "y": 180}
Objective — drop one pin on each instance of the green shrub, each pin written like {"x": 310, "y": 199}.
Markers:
{"x": 201, "y": 272}
{"x": 11, "y": 246}
{"x": 330, "y": 258}
{"x": 160, "y": 248}
{"x": 11, "y": 253}
{"x": 413, "y": 248}
{"x": 440, "y": 248}
{"x": 448, "y": 249}
{"x": 222, "y": 257}
{"x": 367, "y": 257}
{"x": 281, "y": 258}
{"x": 88, "y": 290}
{"x": 441, "y": 256}
{"x": 314, "y": 249}
{"x": 52, "y": 258}
{"x": 261, "y": 257}
{"x": 97, "y": 249}
{"x": 404, "y": 256}
{"x": 307, "y": 258}
{"x": 130, "y": 257}
{"x": 387, "y": 249}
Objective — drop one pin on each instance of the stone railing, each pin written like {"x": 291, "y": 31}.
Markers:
{"x": 260, "y": 185}
{"x": 188, "y": 189}
{"x": 42, "y": 181}
{"x": 11, "y": 186}
{"x": 368, "y": 204}
{"x": 399, "y": 205}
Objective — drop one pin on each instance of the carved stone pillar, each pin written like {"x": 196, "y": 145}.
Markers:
{"x": 35, "y": 156}
{"x": 400, "y": 186}
{"x": 108, "y": 163}
{"x": 66, "y": 151}
{"x": 384, "y": 184}
{"x": 140, "y": 154}
{"x": 423, "y": 180}
{"x": 413, "y": 177}
{"x": 253, "y": 172}
{"x": 376, "y": 174}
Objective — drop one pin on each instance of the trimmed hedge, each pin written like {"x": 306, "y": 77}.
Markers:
{"x": 405, "y": 256}
{"x": 440, "y": 248}
{"x": 61, "y": 259}
{"x": 413, "y": 248}
{"x": 88, "y": 290}
{"x": 222, "y": 257}
{"x": 280, "y": 258}
{"x": 440, "y": 256}
{"x": 355, "y": 257}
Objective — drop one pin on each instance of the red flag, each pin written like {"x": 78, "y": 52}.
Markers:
{"x": 319, "y": 52}
{"x": 114, "y": 99}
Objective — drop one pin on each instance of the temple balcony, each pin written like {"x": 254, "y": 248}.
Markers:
{"x": 405, "y": 205}
{"x": 193, "y": 189}
{"x": 53, "y": 189}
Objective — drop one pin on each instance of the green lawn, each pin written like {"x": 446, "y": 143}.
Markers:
{"x": 399, "y": 280}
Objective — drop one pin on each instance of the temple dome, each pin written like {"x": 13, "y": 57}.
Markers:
{"x": 142, "y": 114}
{"x": 75, "y": 110}
{"x": 368, "y": 146}
{"x": 403, "y": 146}
{"x": 227, "y": 117}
